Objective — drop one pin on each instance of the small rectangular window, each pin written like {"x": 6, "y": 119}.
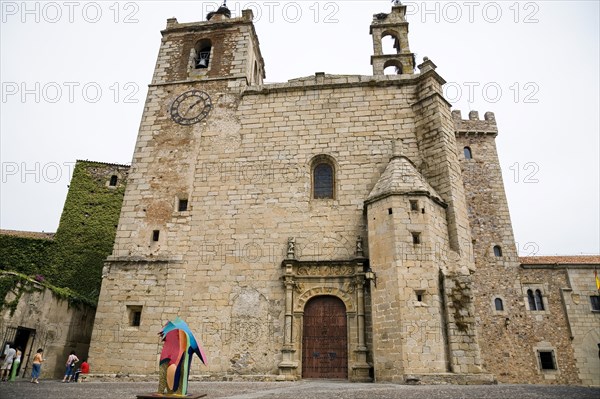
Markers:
{"x": 547, "y": 360}
{"x": 416, "y": 237}
{"x": 595, "y": 300}
{"x": 134, "y": 315}
{"x": 113, "y": 180}
{"x": 183, "y": 205}
{"x": 155, "y": 235}
{"x": 414, "y": 205}
{"x": 390, "y": 211}
{"x": 420, "y": 295}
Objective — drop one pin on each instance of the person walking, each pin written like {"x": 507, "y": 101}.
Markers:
{"x": 36, "y": 368}
{"x": 9, "y": 356}
{"x": 70, "y": 366}
{"x": 15, "y": 365}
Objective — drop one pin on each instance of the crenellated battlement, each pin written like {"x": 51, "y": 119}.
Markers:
{"x": 474, "y": 125}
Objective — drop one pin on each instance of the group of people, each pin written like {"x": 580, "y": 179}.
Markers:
{"x": 12, "y": 360}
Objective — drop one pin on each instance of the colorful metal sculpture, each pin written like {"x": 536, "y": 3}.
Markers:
{"x": 176, "y": 357}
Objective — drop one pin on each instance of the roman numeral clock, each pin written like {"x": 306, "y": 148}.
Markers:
{"x": 191, "y": 107}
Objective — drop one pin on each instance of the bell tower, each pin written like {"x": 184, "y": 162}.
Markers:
{"x": 190, "y": 115}
{"x": 220, "y": 47}
{"x": 393, "y": 24}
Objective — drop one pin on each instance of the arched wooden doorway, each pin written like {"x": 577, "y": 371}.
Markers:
{"x": 325, "y": 339}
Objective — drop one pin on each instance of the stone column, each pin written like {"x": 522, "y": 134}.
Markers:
{"x": 288, "y": 365}
{"x": 361, "y": 370}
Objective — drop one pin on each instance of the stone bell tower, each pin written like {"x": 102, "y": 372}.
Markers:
{"x": 395, "y": 25}
{"x": 219, "y": 48}
{"x": 190, "y": 111}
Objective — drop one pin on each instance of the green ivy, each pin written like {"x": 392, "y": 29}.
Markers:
{"x": 72, "y": 262}
{"x": 87, "y": 229}
{"x": 25, "y": 255}
{"x": 8, "y": 283}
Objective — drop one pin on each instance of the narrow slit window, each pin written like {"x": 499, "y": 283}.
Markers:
{"x": 155, "y": 235}
{"x": 416, "y": 238}
{"x": 113, "y": 180}
{"x": 595, "y": 301}
{"x": 539, "y": 300}
{"x": 390, "y": 211}
{"x": 531, "y": 300}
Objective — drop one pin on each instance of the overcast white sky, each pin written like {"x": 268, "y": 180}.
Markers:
{"x": 74, "y": 76}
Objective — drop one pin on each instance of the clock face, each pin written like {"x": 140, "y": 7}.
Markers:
{"x": 191, "y": 107}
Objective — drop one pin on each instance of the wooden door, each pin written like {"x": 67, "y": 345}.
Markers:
{"x": 324, "y": 339}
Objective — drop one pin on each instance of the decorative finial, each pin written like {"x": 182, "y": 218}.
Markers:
{"x": 396, "y": 2}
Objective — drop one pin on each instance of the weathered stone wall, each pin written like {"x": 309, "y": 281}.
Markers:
{"x": 56, "y": 325}
{"x": 408, "y": 322}
{"x": 247, "y": 174}
{"x": 234, "y": 50}
{"x": 510, "y": 337}
{"x": 545, "y": 330}
{"x": 584, "y": 323}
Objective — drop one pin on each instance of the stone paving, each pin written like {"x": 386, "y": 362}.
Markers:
{"x": 306, "y": 389}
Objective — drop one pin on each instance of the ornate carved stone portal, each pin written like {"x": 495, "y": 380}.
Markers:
{"x": 305, "y": 280}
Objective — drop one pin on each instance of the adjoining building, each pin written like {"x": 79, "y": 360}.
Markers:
{"x": 49, "y": 282}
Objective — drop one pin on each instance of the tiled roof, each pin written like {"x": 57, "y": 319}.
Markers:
{"x": 104, "y": 163}
{"x": 28, "y": 234}
{"x": 563, "y": 260}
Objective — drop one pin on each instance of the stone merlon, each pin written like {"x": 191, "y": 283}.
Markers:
{"x": 474, "y": 125}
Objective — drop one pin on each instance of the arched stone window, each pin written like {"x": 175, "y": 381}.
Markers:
{"x": 390, "y": 44}
{"x": 392, "y": 67}
{"x": 202, "y": 58}
{"x": 468, "y": 153}
{"x": 498, "y": 304}
{"x": 535, "y": 299}
{"x": 323, "y": 178}
{"x": 497, "y": 250}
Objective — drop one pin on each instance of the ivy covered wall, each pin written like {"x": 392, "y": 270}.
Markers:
{"x": 87, "y": 227}
{"x": 85, "y": 235}
{"x": 26, "y": 254}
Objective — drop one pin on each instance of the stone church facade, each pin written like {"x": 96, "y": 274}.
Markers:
{"x": 329, "y": 227}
